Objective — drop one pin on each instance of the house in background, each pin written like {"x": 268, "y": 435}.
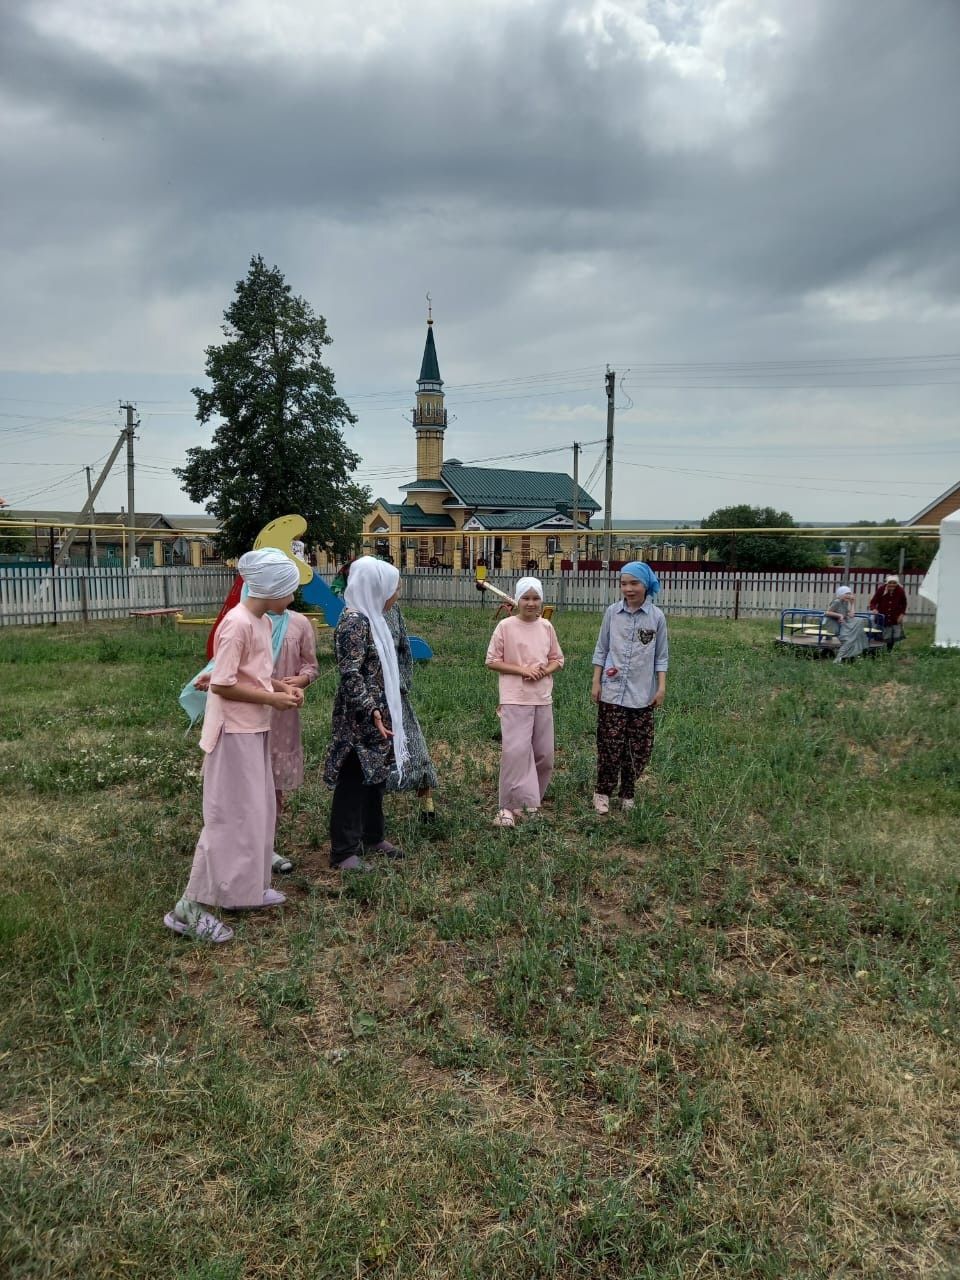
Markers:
{"x": 160, "y": 539}
{"x": 945, "y": 505}
{"x": 523, "y": 511}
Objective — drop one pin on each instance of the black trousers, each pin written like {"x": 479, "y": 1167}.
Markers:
{"x": 356, "y": 814}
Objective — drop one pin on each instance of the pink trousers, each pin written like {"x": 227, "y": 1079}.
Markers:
{"x": 231, "y": 865}
{"x": 526, "y": 762}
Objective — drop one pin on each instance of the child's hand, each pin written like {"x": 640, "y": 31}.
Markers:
{"x": 595, "y": 690}
{"x": 658, "y": 698}
{"x": 202, "y": 682}
{"x": 285, "y": 699}
{"x": 381, "y": 728}
{"x": 290, "y": 685}
{"x": 532, "y": 673}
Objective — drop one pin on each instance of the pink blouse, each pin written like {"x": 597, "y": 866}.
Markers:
{"x": 242, "y": 655}
{"x": 525, "y": 644}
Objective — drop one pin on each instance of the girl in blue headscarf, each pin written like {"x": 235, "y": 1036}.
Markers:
{"x": 629, "y": 680}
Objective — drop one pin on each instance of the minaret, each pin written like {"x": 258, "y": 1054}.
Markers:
{"x": 429, "y": 417}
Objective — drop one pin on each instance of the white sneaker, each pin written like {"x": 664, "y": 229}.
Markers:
{"x": 628, "y": 804}
{"x": 601, "y": 803}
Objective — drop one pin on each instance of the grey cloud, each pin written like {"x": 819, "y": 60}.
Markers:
{"x": 552, "y": 199}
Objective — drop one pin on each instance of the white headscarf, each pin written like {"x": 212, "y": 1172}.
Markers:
{"x": 893, "y": 578}
{"x": 844, "y": 591}
{"x": 370, "y": 585}
{"x": 269, "y": 574}
{"x": 527, "y": 584}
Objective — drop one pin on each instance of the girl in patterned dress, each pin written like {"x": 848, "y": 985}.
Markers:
{"x": 368, "y": 732}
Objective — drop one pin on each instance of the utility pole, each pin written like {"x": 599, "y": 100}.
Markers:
{"x": 88, "y": 505}
{"x": 610, "y": 382}
{"x": 91, "y": 532}
{"x": 131, "y": 518}
{"x": 573, "y": 506}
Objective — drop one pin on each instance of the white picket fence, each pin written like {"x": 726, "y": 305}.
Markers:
{"x": 691, "y": 594}
{"x": 32, "y": 595}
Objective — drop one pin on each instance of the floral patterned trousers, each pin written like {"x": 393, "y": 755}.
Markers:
{"x": 624, "y": 746}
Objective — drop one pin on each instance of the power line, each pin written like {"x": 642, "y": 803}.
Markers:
{"x": 474, "y": 462}
{"x": 726, "y": 475}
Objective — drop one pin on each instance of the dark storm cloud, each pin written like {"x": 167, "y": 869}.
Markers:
{"x": 579, "y": 196}
{"x": 849, "y": 166}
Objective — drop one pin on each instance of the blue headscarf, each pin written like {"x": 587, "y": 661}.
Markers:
{"x": 643, "y": 573}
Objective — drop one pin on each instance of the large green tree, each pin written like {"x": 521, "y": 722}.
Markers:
{"x": 280, "y": 446}
{"x": 12, "y": 539}
{"x": 884, "y": 553}
{"x": 756, "y": 552}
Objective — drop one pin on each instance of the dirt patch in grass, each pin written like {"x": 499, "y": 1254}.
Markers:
{"x": 887, "y": 696}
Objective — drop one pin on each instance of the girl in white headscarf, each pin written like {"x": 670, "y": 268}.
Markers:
{"x": 525, "y": 652}
{"x": 231, "y": 864}
{"x": 368, "y": 735}
{"x": 842, "y": 621}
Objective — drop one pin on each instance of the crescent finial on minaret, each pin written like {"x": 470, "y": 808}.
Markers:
{"x": 429, "y": 310}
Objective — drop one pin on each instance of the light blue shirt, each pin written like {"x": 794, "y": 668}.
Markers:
{"x": 635, "y": 643}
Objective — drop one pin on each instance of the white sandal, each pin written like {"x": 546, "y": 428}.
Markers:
{"x": 282, "y": 866}
{"x": 505, "y": 818}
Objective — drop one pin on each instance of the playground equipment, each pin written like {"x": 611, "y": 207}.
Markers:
{"x": 483, "y": 585}
{"x": 281, "y": 535}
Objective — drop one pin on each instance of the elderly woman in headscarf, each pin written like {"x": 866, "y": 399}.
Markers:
{"x": 891, "y": 601}
{"x": 630, "y": 664}
{"x": 368, "y": 734}
{"x": 845, "y": 625}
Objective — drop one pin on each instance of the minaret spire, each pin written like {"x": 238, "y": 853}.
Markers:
{"x": 429, "y": 417}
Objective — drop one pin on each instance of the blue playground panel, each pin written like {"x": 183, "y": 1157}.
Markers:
{"x": 316, "y": 592}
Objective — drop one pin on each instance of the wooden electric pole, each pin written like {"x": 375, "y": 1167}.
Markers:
{"x": 70, "y": 536}
{"x": 131, "y": 518}
{"x": 611, "y": 384}
{"x": 91, "y": 532}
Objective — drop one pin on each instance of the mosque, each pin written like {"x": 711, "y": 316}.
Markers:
{"x": 524, "y": 511}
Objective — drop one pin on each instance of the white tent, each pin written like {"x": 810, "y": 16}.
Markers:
{"x": 942, "y": 584}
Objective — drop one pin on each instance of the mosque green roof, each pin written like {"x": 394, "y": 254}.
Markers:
{"x": 492, "y": 487}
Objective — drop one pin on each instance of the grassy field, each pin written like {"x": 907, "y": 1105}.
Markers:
{"x": 717, "y": 1037}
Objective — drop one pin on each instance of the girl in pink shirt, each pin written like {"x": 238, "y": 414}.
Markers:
{"x": 525, "y": 651}
{"x": 296, "y": 666}
{"x": 231, "y": 864}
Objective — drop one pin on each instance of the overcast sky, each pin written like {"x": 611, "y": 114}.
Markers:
{"x": 748, "y": 208}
